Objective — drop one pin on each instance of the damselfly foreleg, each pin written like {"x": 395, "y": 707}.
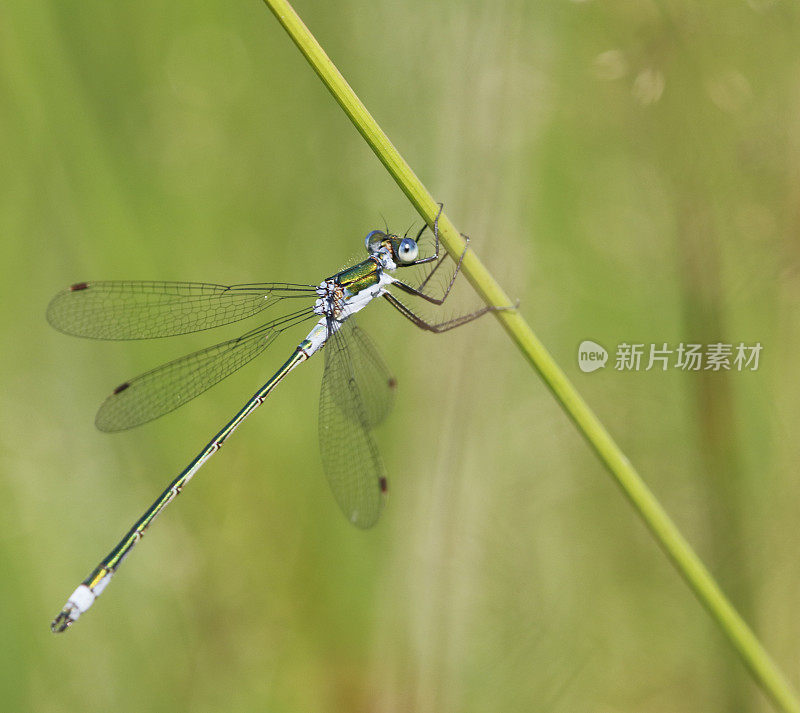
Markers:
{"x": 419, "y": 290}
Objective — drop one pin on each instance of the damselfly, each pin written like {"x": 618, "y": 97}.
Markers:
{"x": 357, "y": 388}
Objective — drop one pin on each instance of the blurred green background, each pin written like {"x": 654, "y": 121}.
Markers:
{"x": 630, "y": 171}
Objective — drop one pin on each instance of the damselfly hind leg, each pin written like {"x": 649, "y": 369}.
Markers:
{"x": 446, "y": 325}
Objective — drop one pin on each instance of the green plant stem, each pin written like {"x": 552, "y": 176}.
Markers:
{"x": 644, "y": 502}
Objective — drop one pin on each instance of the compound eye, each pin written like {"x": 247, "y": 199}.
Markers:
{"x": 374, "y": 238}
{"x": 407, "y": 251}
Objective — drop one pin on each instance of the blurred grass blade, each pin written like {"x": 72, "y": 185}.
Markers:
{"x": 758, "y": 661}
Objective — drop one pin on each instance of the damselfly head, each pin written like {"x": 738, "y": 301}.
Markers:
{"x": 403, "y": 251}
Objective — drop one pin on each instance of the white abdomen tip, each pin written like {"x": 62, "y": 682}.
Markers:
{"x": 82, "y": 598}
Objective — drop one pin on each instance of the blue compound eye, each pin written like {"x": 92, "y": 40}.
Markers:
{"x": 407, "y": 251}
{"x": 373, "y": 239}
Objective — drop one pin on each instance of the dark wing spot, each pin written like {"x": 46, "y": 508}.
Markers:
{"x": 121, "y": 388}
{"x": 78, "y": 286}
{"x": 392, "y": 383}
{"x": 384, "y": 484}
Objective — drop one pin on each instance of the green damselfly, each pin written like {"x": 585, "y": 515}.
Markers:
{"x": 357, "y": 388}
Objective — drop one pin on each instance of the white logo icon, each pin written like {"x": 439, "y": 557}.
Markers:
{"x": 591, "y": 356}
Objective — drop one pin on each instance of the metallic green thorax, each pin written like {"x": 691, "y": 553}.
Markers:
{"x": 359, "y": 277}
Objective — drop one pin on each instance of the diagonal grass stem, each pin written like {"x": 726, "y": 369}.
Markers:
{"x": 758, "y": 661}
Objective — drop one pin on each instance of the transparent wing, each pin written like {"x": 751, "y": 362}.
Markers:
{"x": 171, "y": 385}
{"x": 374, "y": 382}
{"x": 145, "y": 310}
{"x": 350, "y": 457}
